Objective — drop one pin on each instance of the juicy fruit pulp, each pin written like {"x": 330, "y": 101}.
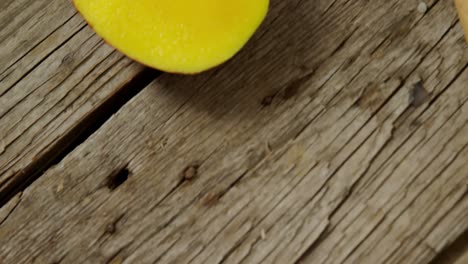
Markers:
{"x": 183, "y": 36}
{"x": 462, "y": 6}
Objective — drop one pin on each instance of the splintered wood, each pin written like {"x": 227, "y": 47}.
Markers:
{"x": 54, "y": 72}
{"x": 338, "y": 135}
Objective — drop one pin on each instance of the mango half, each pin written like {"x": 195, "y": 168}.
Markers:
{"x": 180, "y": 36}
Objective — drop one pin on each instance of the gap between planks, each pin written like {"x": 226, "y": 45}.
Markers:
{"x": 58, "y": 83}
{"x": 77, "y": 134}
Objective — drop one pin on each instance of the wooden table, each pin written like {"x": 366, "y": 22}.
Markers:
{"x": 338, "y": 135}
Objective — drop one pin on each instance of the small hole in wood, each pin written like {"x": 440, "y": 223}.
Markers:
{"x": 190, "y": 172}
{"x": 110, "y": 228}
{"x": 267, "y": 101}
{"x": 117, "y": 178}
{"x": 419, "y": 95}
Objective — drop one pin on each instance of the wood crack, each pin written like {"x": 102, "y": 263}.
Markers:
{"x": 75, "y": 136}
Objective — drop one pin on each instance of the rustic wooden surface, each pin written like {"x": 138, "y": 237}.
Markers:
{"x": 54, "y": 72}
{"x": 338, "y": 135}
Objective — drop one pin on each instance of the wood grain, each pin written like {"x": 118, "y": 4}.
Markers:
{"x": 54, "y": 72}
{"x": 307, "y": 147}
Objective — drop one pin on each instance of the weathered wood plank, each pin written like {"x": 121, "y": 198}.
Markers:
{"x": 309, "y": 146}
{"x": 53, "y": 73}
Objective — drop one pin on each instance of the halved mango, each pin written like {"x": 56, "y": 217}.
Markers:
{"x": 462, "y": 6}
{"x": 181, "y": 36}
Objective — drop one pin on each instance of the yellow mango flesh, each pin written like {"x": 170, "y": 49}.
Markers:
{"x": 182, "y": 36}
{"x": 462, "y": 6}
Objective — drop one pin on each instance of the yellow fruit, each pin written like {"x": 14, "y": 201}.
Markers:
{"x": 182, "y": 36}
{"x": 462, "y": 6}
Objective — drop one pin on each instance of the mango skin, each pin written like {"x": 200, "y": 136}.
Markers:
{"x": 180, "y": 36}
{"x": 462, "y": 7}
